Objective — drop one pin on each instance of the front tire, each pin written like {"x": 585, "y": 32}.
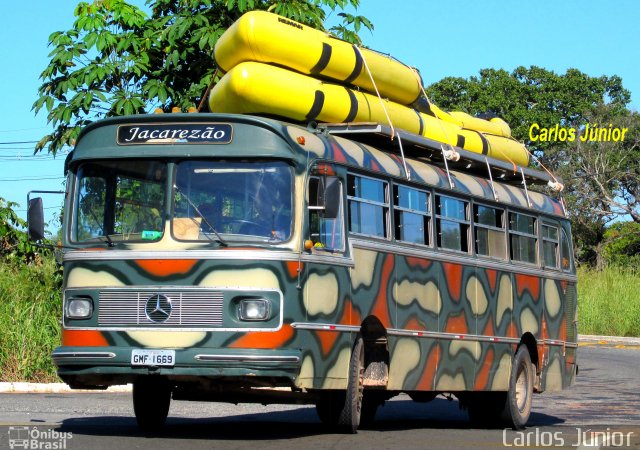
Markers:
{"x": 151, "y": 399}
{"x": 517, "y": 408}
{"x": 349, "y": 418}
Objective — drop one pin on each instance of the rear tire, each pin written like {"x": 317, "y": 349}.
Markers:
{"x": 151, "y": 400}
{"x": 506, "y": 409}
{"x": 517, "y": 408}
{"x": 349, "y": 419}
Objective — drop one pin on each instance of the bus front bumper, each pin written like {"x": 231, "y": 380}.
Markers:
{"x": 104, "y": 366}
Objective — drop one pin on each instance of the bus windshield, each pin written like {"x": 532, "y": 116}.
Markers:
{"x": 119, "y": 201}
{"x": 245, "y": 200}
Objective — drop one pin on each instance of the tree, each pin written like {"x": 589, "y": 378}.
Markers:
{"x": 117, "y": 60}
{"x": 622, "y": 244}
{"x": 601, "y": 178}
{"x": 15, "y": 247}
{"x": 530, "y": 96}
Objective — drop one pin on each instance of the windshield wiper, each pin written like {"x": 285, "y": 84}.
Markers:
{"x": 107, "y": 238}
{"x": 204, "y": 219}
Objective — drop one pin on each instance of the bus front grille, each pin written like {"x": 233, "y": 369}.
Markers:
{"x": 160, "y": 307}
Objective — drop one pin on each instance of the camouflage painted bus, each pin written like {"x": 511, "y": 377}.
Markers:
{"x": 243, "y": 259}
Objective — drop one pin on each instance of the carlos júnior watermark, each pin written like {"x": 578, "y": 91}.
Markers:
{"x": 579, "y": 438}
{"x": 33, "y": 438}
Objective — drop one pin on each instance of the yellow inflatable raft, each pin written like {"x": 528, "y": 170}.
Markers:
{"x": 256, "y": 88}
{"x": 495, "y": 126}
{"x": 265, "y": 37}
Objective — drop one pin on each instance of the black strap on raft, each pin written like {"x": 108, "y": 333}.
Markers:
{"x": 316, "y": 108}
{"x": 323, "y": 61}
{"x": 421, "y": 122}
{"x": 353, "y": 107}
{"x": 423, "y": 105}
{"x": 357, "y": 67}
{"x": 485, "y": 144}
{"x": 461, "y": 141}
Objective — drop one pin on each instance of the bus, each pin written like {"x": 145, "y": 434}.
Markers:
{"x": 233, "y": 258}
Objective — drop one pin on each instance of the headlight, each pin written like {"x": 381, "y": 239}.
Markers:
{"x": 79, "y": 308}
{"x": 252, "y": 309}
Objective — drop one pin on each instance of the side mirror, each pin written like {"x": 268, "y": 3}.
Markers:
{"x": 331, "y": 197}
{"x": 35, "y": 219}
{"x": 325, "y": 195}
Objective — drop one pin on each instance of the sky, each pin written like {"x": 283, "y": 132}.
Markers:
{"x": 440, "y": 38}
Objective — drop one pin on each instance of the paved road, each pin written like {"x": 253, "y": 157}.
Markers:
{"x": 604, "y": 399}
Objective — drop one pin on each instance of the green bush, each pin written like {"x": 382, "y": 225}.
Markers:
{"x": 621, "y": 245}
{"x": 609, "y": 301}
{"x": 30, "y": 308}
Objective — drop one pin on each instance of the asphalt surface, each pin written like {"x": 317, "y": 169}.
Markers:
{"x": 604, "y": 400}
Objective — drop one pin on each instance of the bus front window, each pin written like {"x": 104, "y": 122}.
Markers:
{"x": 119, "y": 201}
{"x": 238, "y": 200}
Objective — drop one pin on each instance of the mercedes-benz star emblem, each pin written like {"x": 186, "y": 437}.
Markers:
{"x": 158, "y": 308}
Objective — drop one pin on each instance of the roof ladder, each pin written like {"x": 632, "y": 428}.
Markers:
{"x": 526, "y": 191}
{"x": 493, "y": 189}
{"x": 445, "y": 156}
{"x": 404, "y": 162}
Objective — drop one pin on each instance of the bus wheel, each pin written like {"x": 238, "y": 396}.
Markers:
{"x": 151, "y": 398}
{"x": 520, "y": 395}
{"x": 349, "y": 418}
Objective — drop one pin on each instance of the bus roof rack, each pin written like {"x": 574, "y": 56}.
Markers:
{"x": 421, "y": 148}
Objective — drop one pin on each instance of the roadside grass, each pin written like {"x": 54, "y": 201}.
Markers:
{"x": 29, "y": 321}
{"x": 609, "y": 302}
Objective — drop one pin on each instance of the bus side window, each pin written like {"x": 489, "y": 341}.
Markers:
{"x": 326, "y": 233}
{"x": 550, "y": 246}
{"x": 412, "y": 215}
{"x": 490, "y": 232}
{"x": 523, "y": 238}
{"x": 452, "y": 223}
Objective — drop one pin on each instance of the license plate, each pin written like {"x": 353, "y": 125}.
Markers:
{"x": 153, "y": 357}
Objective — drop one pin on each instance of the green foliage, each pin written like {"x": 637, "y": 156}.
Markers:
{"x": 602, "y": 183}
{"x": 531, "y": 95}
{"x": 30, "y": 284}
{"x": 117, "y": 60}
{"x": 30, "y": 308}
{"x": 608, "y": 301}
{"x": 622, "y": 245}
{"x": 602, "y": 179}
{"x": 15, "y": 247}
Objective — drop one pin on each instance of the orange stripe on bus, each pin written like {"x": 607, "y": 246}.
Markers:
{"x": 415, "y": 325}
{"x": 428, "y": 380}
{"x": 453, "y": 275}
{"x": 166, "y": 267}
{"x": 293, "y": 267}
{"x": 328, "y": 339}
{"x": 492, "y": 278}
{"x": 530, "y": 283}
{"x": 457, "y": 324}
{"x": 83, "y": 338}
{"x": 488, "y": 329}
{"x": 381, "y": 304}
{"x": 264, "y": 339}
{"x": 422, "y": 263}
